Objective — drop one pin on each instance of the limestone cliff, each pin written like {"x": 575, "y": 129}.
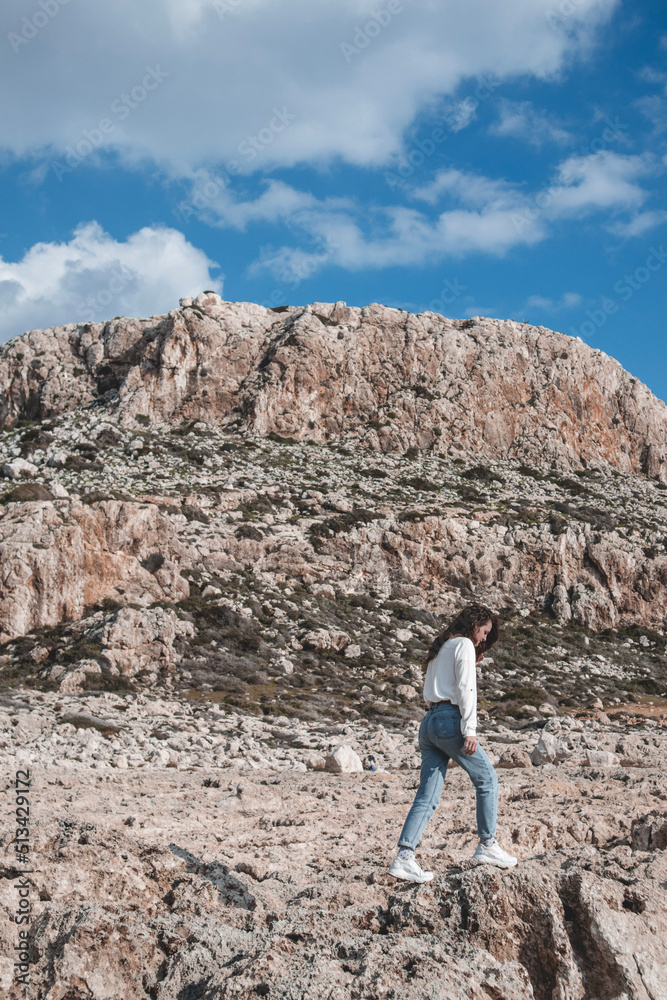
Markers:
{"x": 387, "y": 378}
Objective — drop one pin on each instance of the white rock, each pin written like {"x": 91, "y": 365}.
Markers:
{"x": 343, "y": 760}
{"x": 548, "y": 750}
{"x": 58, "y": 490}
{"x": 406, "y": 691}
{"x": 19, "y": 469}
{"x": 403, "y": 634}
{"x": 316, "y": 762}
{"x": 547, "y": 709}
{"x": 58, "y": 459}
{"x": 120, "y": 761}
{"x": 353, "y": 651}
{"x": 601, "y": 758}
{"x": 322, "y": 638}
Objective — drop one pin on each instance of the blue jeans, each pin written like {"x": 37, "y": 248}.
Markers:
{"x": 439, "y": 740}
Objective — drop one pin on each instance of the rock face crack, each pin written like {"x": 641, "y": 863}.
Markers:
{"x": 601, "y": 974}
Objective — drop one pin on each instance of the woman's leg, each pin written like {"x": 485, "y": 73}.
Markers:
{"x": 432, "y": 777}
{"x": 483, "y": 776}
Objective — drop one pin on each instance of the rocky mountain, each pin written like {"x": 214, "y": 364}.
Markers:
{"x": 227, "y": 539}
{"x": 383, "y": 378}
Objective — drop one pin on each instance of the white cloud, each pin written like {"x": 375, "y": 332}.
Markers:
{"x": 654, "y": 107}
{"x": 229, "y": 83}
{"x": 651, "y": 75}
{"x": 603, "y": 180}
{"x": 94, "y": 277}
{"x": 568, "y": 300}
{"x": 480, "y": 215}
{"x": 520, "y": 120}
{"x": 470, "y": 189}
{"x": 458, "y": 114}
{"x": 640, "y": 223}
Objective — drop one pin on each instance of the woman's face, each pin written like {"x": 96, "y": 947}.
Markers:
{"x": 480, "y": 632}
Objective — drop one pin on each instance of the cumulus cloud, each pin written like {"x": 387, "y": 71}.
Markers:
{"x": 568, "y": 300}
{"x": 255, "y": 84}
{"x": 468, "y": 213}
{"x": 603, "y": 180}
{"x": 93, "y": 277}
{"x": 639, "y": 223}
{"x": 520, "y": 120}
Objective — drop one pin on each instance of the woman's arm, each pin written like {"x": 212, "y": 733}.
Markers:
{"x": 465, "y": 675}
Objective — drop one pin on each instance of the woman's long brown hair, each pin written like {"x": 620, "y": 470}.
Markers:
{"x": 464, "y": 624}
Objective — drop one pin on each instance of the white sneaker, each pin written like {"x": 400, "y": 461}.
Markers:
{"x": 493, "y": 855}
{"x": 409, "y": 870}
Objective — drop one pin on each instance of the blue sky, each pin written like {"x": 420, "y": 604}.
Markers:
{"x": 503, "y": 160}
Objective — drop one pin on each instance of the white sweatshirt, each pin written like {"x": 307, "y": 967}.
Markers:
{"x": 452, "y": 676}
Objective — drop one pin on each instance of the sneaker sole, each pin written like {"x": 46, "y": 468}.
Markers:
{"x": 410, "y": 878}
{"x": 496, "y": 864}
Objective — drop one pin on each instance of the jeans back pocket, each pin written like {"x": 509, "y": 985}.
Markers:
{"x": 445, "y": 726}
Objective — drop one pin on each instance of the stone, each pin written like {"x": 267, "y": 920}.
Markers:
{"x": 547, "y": 709}
{"x": 343, "y": 760}
{"x": 74, "y": 680}
{"x": 19, "y": 468}
{"x": 316, "y": 762}
{"x": 322, "y": 638}
{"x": 134, "y": 639}
{"x": 513, "y": 757}
{"x": 601, "y": 758}
{"x": 406, "y": 692}
{"x": 649, "y": 832}
{"x": 549, "y": 749}
{"x": 353, "y": 651}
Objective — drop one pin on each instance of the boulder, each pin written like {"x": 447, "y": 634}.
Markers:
{"x": 406, "y": 692}
{"x": 547, "y": 750}
{"x": 18, "y": 468}
{"x": 601, "y": 758}
{"x": 513, "y": 757}
{"x": 322, "y": 638}
{"x": 343, "y": 760}
{"x": 649, "y": 832}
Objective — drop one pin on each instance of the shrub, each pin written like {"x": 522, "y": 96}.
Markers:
{"x": 272, "y": 436}
{"x": 27, "y": 492}
{"x": 482, "y": 473}
{"x": 249, "y": 531}
{"x": 153, "y": 562}
{"x": 420, "y": 483}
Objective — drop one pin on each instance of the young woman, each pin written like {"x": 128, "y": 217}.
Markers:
{"x": 449, "y": 731}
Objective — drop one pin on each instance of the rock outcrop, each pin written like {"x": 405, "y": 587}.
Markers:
{"x": 60, "y": 556}
{"x": 390, "y": 379}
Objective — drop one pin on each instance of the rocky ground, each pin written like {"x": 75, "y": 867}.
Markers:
{"x": 183, "y": 851}
{"x": 227, "y": 539}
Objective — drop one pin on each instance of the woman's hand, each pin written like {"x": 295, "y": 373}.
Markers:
{"x": 470, "y": 745}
